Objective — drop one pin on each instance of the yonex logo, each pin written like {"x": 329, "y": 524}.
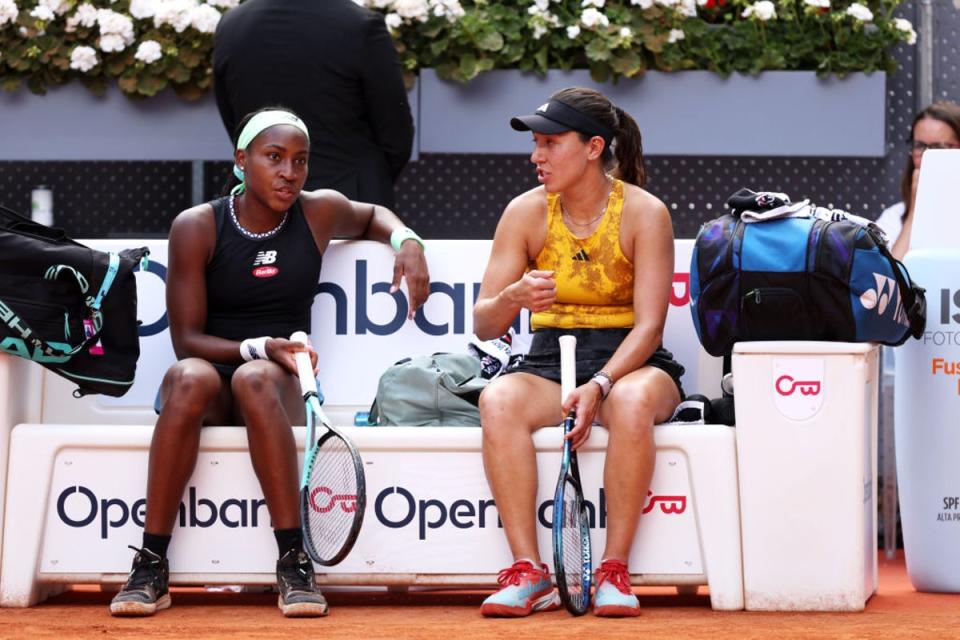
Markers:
{"x": 787, "y": 386}
{"x": 347, "y": 501}
{"x": 265, "y": 257}
{"x": 581, "y": 256}
{"x": 881, "y": 297}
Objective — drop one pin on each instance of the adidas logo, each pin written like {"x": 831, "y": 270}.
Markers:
{"x": 581, "y": 256}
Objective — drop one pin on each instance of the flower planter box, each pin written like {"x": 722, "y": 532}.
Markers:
{"x": 70, "y": 123}
{"x": 777, "y": 113}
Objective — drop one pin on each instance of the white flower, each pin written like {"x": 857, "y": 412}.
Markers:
{"x": 593, "y": 18}
{"x": 111, "y": 42}
{"x": 142, "y": 9}
{"x": 763, "y": 10}
{"x": 204, "y": 18}
{"x": 393, "y": 20}
{"x": 175, "y": 13}
{"x": 593, "y": 3}
{"x": 676, "y": 35}
{"x": 85, "y": 16}
{"x": 643, "y": 4}
{"x": 449, "y": 9}
{"x": 817, "y": 4}
{"x": 904, "y": 25}
{"x": 412, "y": 9}
{"x": 113, "y": 23}
{"x": 59, "y": 7}
{"x": 859, "y": 12}
{"x": 149, "y": 51}
{"x": 83, "y": 59}
{"x": 43, "y": 12}
{"x": 8, "y": 12}
{"x": 688, "y": 8}
{"x": 542, "y": 5}
{"x": 626, "y": 32}
{"x": 573, "y": 31}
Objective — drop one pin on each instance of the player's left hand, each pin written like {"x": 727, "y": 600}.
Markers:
{"x": 411, "y": 264}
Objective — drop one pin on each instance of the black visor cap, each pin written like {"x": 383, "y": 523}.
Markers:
{"x": 557, "y": 117}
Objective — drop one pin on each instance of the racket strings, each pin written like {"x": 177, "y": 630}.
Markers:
{"x": 332, "y": 497}
{"x": 573, "y": 549}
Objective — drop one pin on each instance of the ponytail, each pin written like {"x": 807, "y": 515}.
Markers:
{"x": 628, "y": 149}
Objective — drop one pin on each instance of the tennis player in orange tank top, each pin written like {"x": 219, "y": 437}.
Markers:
{"x": 588, "y": 252}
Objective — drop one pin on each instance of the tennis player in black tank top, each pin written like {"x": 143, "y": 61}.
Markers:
{"x": 242, "y": 275}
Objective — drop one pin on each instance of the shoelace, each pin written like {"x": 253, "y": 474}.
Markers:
{"x": 299, "y": 578}
{"x": 145, "y": 570}
{"x": 614, "y": 572}
{"x": 512, "y": 574}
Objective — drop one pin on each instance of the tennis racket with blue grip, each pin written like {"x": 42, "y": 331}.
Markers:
{"x": 572, "y": 560}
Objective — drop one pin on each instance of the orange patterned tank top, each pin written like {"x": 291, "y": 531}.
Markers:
{"x": 594, "y": 277}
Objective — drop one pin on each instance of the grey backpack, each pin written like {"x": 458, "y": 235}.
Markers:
{"x": 442, "y": 389}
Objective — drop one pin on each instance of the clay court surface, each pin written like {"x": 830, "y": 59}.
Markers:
{"x": 897, "y": 611}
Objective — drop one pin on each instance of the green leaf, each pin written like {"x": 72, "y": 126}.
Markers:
{"x": 598, "y": 50}
{"x": 490, "y": 41}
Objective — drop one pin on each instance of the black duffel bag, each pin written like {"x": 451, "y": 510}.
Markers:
{"x": 68, "y": 307}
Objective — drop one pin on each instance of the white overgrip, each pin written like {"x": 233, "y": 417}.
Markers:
{"x": 308, "y": 382}
{"x": 568, "y": 365}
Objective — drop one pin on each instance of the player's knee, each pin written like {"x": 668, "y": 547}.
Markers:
{"x": 633, "y": 410}
{"x": 500, "y": 401}
{"x": 252, "y": 379}
{"x": 191, "y": 384}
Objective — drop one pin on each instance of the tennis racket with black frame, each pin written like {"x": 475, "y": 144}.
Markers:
{"x": 333, "y": 492}
{"x": 572, "y": 559}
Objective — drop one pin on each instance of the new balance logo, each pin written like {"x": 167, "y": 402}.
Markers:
{"x": 265, "y": 257}
{"x": 581, "y": 256}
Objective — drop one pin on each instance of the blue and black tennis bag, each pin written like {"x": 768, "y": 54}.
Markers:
{"x": 68, "y": 307}
{"x": 777, "y": 270}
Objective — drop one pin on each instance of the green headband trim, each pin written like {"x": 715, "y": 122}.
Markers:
{"x": 254, "y": 127}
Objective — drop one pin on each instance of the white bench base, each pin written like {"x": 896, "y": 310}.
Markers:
{"x": 74, "y": 502}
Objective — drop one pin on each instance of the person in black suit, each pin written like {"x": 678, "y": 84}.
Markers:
{"x": 334, "y": 63}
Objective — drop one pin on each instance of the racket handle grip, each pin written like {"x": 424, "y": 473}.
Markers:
{"x": 308, "y": 382}
{"x": 568, "y": 365}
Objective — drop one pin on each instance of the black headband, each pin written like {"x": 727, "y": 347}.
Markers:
{"x": 559, "y": 117}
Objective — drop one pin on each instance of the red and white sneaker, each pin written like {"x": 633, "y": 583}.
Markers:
{"x": 614, "y": 598}
{"x": 525, "y": 589}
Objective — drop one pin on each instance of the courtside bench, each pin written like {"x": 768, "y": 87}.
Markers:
{"x": 76, "y": 470}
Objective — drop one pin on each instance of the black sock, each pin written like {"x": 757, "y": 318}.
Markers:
{"x": 288, "y": 539}
{"x": 157, "y": 544}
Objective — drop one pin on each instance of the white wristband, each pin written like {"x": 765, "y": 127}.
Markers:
{"x": 254, "y": 348}
{"x": 603, "y": 379}
{"x": 401, "y": 235}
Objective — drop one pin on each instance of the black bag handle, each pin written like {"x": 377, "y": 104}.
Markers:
{"x": 17, "y": 223}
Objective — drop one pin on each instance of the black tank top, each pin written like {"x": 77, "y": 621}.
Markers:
{"x": 261, "y": 287}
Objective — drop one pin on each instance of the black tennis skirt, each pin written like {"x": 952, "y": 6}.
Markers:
{"x": 594, "y": 349}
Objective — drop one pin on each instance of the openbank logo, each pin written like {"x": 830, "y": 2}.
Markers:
{"x": 394, "y": 507}
{"x": 798, "y": 387}
{"x": 462, "y": 296}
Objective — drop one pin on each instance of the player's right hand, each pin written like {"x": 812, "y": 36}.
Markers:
{"x": 281, "y": 351}
{"x": 536, "y": 290}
